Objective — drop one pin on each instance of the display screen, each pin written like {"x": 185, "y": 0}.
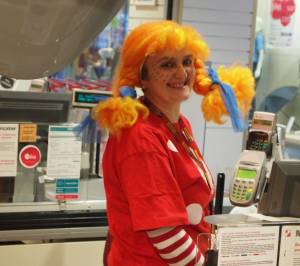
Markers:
{"x": 88, "y": 97}
{"x": 262, "y": 122}
{"x": 246, "y": 173}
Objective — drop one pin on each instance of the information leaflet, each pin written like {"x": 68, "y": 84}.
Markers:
{"x": 64, "y": 160}
{"x": 8, "y": 149}
{"x": 251, "y": 246}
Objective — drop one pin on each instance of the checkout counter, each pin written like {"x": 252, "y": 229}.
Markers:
{"x": 268, "y": 182}
{"x": 42, "y": 199}
{"x": 50, "y": 185}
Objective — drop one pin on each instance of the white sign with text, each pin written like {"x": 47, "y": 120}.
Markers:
{"x": 251, "y": 246}
{"x": 8, "y": 149}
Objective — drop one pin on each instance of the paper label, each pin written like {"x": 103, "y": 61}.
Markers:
{"x": 64, "y": 161}
{"x": 249, "y": 246}
{"x": 290, "y": 246}
{"x": 8, "y": 149}
{"x": 64, "y": 153}
{"x": 28, "y": 132}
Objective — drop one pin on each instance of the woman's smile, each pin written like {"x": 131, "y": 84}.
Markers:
{"x": 178, "y": 85}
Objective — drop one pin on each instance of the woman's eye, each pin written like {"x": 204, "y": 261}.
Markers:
{"x": 187, "y": 62}
{"x": 167, "y": 65}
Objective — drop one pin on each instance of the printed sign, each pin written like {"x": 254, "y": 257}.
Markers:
{"x": 283, "y": 10}
{"x": 64, "y": 161}
{"x": 290, "y": 245}
{"x": 64, "y": 152}
{"x": 67, "y": 189}
{"x": 28, "y": 132}
{"x": 30, "y": 156}
{"x": 282, "y": 23}
{"x": 8, "y": 149}
{"x": 251, "y": 246}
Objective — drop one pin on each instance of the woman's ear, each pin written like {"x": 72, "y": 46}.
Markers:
{"x": 143, "y": 72}
{"x": 144, "y": 85}
{"x": 143, "y": 76}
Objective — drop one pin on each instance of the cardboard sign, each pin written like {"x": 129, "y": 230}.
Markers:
{"x": 28, "y": 133}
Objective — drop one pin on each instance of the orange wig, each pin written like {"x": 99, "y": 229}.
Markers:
{"x": 153, "y": 37}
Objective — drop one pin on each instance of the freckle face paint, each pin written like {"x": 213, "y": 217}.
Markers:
{"x": 162, "y": 74}
{"x": 159, "y": 73}
{"x": 170, "y": 76}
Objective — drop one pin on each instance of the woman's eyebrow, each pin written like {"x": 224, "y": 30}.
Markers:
{"x": 188, "y": 56}
{"x": 165, "y": 58}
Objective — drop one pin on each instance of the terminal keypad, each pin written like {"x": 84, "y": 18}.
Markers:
{"x": 242, "y": 189}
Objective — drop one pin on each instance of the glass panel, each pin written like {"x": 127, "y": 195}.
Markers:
{"x": 34, "y": 185}
{"x": 276, "y": 65}
{"x": 97, "y": 61}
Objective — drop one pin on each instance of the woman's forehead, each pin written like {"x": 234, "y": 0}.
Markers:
{"x": 169, "y": 54}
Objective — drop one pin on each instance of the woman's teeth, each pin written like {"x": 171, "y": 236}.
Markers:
{"x": 177, "y": 85}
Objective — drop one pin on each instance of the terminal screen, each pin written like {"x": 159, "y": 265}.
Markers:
{"x": 246, "y": 173}
{"x": 81, "y": 97}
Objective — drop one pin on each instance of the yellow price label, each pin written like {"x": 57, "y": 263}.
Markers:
{"x": 28, "y": 132}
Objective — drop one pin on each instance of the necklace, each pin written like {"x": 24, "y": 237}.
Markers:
{"x": 185, "y": 139}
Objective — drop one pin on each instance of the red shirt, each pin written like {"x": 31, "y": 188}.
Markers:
{"x": 150, "y": 182}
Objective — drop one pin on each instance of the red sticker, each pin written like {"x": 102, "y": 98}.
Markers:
{"x": 30, "y": 156}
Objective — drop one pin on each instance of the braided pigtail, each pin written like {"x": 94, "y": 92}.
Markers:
{"x": 120, "y": 112}
{"x": 237, "y": 79}
{"x": 203, "y": 82}
{"x": 242, "y": 82}
{"x": 117, "y": 113}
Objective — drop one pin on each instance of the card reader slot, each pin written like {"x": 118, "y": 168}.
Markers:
{"x": 248, "y": 163}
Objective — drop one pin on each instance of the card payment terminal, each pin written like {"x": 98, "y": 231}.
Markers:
{"x": 261, "y": 132}
{"x": 249, "y": 178}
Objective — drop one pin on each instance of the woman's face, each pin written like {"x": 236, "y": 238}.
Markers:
{"x": 169, "y": 77}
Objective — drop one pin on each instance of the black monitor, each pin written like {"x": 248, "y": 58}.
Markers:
{"x": 282, "y": 194}
{"x": 36, "y": 107}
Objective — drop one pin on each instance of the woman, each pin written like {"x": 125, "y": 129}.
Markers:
{"x": 158, "y": 187}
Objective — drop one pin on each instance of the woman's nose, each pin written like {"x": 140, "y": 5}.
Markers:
{"x": 181, "y": 72}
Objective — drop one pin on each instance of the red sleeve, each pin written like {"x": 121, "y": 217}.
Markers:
{"x": 175, "y": 246}
{"x": 154, "y": 197}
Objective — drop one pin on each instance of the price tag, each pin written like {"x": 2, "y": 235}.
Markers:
{"x": 28, "y": 133}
